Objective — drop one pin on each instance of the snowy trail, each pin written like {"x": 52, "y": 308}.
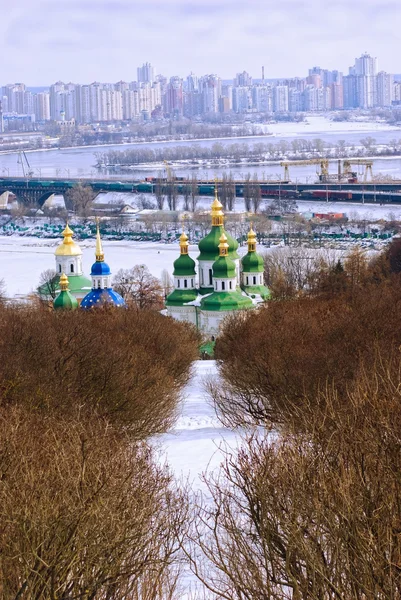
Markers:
{"x": 194, "y": 446}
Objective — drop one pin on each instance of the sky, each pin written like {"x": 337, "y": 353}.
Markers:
{"x": 42, "y": 41}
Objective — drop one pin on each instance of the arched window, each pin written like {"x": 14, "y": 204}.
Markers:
{"x": 192, "y": 283}
{"x": 59, "y": 268}
{"x": 223, "y": 286}
{"x": 254, "y": 280}
{"x": 71, "y": 268}
{"x": 231, "y": 285}
{"x": 99, "y": 284}
{"x": 247, "y": 280}
{"x": 178, "y": 283}
{"x": 210, "y": 277}
{"x": 185, "y": 283}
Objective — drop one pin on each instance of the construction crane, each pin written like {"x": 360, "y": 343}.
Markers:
{"x": 23, "y": 161}
{"x": 350, "y": 162}
{"x": 168, "y": 170}
{"x": 323, "y": 162}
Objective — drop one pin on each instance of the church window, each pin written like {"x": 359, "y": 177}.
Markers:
{"x": 210, "y": 277}
{"x": 72, "y": 268}
{"x": 247, "y": 280}
{"x": 59, "y": 268}
{"x": 192, "y": 283}
{"x": 223, "y": 285}
{"x": 178, "y": 283}
{"x": 254, "y": 280}
{"x": 231, "y": 285}
{"x": 201, "y": 276}
{"x": 185, "y": 283}
{"x": 99, "y": 284}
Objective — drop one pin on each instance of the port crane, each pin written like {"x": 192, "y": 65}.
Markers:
{"x": 351, "y": 162}
{"x": 323, "y": 162}
{"x": 24, "y": 162}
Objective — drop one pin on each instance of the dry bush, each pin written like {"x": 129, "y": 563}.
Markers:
{"x": 84, "y": 512}
{"x": 271, "y": 360}
{"x": 315, "y": 516}
{"x": 126, "y": 365}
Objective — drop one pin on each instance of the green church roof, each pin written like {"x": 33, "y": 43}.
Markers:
{"x": 260, "y": 290}
{"x": 181, "y": 297}
{"x": 226, "y": 301}
{"x": 224, "y": 267}
{"x": 65, "y": 301}
{"x": 209, "y": 245}
{"x": 184, "y": 265}
{"x": 252, "y": 262}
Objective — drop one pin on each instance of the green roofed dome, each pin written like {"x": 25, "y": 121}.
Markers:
{"x": 224, "y": 267}
{"x": 180, "y": 297}
{"x": 252, "y": 262}
{"x": 223, "y": 301}
{"x": 209, "y": 245}
{"x": 65, "y": 300}
{"x": 184, "y": 265}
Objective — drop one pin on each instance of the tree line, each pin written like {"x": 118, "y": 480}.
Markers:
{"x": 308, "y": 507}
{"x": 296, "y": 149}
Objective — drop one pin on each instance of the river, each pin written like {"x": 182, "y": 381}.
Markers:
{"x": 80, "y": 162}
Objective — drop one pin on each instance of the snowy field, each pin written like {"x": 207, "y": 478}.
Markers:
{"x": 315, "y": 124}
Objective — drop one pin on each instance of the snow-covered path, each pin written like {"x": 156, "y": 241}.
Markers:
{"x": 194, "y": 445}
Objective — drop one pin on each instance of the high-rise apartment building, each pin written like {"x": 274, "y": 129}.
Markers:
{"x": 280, "y": 98}
{"x": 146, "y": 73}
{"x": 42, "y": 106}
{"x": 385, "y": 89}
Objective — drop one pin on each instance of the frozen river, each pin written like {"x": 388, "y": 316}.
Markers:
{"x": 79, "y": 162}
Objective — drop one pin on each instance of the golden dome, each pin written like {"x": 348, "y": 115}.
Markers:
{"x": 184, "y": 243}
{"x": 223, "y": 246}
{"x": 68, "y": 247}
{"x": 217, "y": 212}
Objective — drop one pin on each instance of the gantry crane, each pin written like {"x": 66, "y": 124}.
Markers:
{"x": 323, "y": 162}
{"x": 350, "y": 162}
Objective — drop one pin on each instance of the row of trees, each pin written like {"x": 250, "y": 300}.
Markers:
{"x": 297, "y": 148}
{"x": 86, "y": 510}
{"x": 308, "y": 507}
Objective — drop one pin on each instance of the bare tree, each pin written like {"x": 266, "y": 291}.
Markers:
{"x": 81, "y": 197}
{"x": 194, "y": 193}
{"x": 48, "y": 284}
{"x": 139, "y": 287}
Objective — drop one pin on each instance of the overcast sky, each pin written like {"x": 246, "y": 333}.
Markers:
{"x": 42, "y": 41}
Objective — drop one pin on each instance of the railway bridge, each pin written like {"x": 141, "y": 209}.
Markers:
{"x": 36, "y": 191}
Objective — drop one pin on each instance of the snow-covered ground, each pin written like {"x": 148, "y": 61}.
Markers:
{"x": 320, "y": 124}
{"x": 195, "y": 444}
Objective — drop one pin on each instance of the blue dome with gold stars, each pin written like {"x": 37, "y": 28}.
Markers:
{"x": 100, "y": 297}
{"x": 101, "y": 293}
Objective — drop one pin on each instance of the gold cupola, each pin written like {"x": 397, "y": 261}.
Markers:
{"x": 184, "y": 243}
{"x": 223, "y": 245}
{"x": 217, "y": 210}
{"x": 68, "y": 247}
{"x": 251, "y": 240}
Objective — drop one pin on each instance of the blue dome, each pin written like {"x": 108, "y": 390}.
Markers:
{"x": 100, "y": 268}
{"x": 102, "y": 296}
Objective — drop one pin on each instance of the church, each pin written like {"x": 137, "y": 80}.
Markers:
{"x": 93, "y": 292}
{"x": 226, "y": 281}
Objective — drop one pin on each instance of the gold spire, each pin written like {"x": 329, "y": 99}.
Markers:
{"x": 223, "y": 246}
{"x": 99, "y": 249}
{"x": 68, "y": 247}
{"x": 251, "y": 240}
{"x": 184, "y": 243}
{"x": 64, "y": 283}
{"x": 217, "y": 213}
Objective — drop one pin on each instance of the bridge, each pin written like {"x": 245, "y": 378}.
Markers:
{"x": 31, "y": 191}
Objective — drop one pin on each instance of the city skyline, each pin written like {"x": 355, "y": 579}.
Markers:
{"x": 154, "y": 97}
{"x": 85, "y": 40}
